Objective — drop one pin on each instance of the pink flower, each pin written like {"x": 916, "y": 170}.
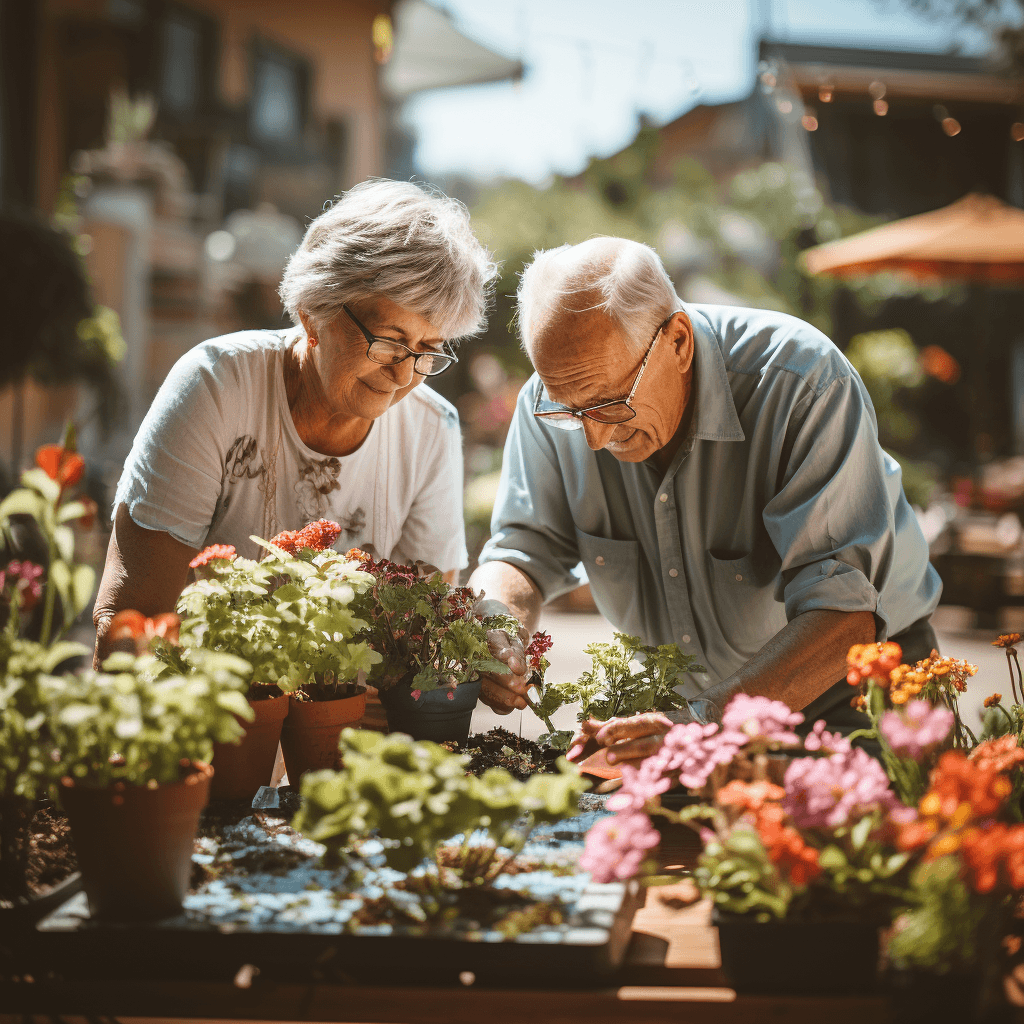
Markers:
{"x": 416, "y": 694}
{"x": 638, "y": 786}
{"x": 26, "y": 579}
{"x": 762, "y": 718}
{"x": 911, "y": 731}
{"x": 617, "y": 846}
{"x": 451, "y": 695}
{"x": 826, "y": 742}
{"x": 826, "y": 792}
{"x": 694, "y": 750}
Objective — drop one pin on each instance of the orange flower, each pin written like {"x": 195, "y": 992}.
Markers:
{"x": 59, "y": 464}
{"x": 1007, "y": 640}
{"x": 786, "y": 848}
{"x": 1001, "y": 755}
{"x": 938, "y": 363}
{"x": 993, "y": 699}
{"x": 950, "y": 674}
{"x": 872, "y": 661}
{"x": 749, "y": 796}
{"x": 134, "y": 626}
{"x": 959, "y": 783}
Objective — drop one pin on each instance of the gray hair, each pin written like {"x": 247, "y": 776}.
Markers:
{"x": 624, "y": 279}
{"x": 409, "y": 243}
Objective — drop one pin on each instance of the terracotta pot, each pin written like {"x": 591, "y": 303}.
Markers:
{"x": 241, "y": 768}
{"x": 134, "y": 844}
{"x": 309, "y": 738}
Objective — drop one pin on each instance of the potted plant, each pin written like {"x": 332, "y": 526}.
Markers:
{"x": 432, "y": 648}
{"x": 801, "y": 875}
{"x": 625, "y": 678}
{"x": 39, "y": 600}
{"x": 412, "y": 798}
{"x": 132, "y": 744}
{"x": 289, "y": 616}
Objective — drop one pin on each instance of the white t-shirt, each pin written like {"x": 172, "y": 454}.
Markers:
{"x": 218, "y": 459}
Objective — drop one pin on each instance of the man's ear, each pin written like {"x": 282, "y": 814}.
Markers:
{"x": 679, "y": 334}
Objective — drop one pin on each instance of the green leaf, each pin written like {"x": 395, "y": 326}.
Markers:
{"x": 860, "y": 832}
{"x": 60, "y": 576}
{"x": 83, "y": 579}
{"x": 64, "y": 537}
{"x": 71, "y": 511}
{"x": 39, "y": 481}
{"x": 22, "y": 502}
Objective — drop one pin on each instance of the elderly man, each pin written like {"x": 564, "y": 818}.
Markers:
{"x": 717, "y": 472}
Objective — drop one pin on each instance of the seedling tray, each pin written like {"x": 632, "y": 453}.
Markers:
{"x": 288, "y": 917}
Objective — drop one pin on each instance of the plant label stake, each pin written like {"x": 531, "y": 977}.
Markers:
{"x": 266, "y": 799}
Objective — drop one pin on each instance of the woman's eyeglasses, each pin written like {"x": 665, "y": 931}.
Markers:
{"x": 391, "y": 353}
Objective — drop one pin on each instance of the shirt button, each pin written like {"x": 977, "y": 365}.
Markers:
{"x": 673, "y": 573}
{"x": 663, "y": 497}
{"x": 686, "y": 638}
{"x": 599, "y": 560}
{"x": 739, "y": 578}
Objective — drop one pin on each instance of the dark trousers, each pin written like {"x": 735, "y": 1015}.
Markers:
{"x": 917, "y": 641}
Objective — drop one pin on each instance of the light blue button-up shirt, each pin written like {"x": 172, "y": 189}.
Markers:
{"x": 780, "y": 501}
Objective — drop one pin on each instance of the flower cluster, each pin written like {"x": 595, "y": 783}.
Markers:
{"x": 617, "y": 846}
{"x": 830, "y": 792}
{"x": 140, "y": 630}
{"x": 794, "y": 858}
{"x": 25, "y": 580}
{"x": 537, "y": 648}
{"x": 872, "y": 661}
{"x": 916, "y": 727}
{"x": 762, "y": 718}
{"x": 318, "y": 536}
{"x": 225, "y": 552}
{"x": 1002, "y": 754}
{"x": 937, "y": 673}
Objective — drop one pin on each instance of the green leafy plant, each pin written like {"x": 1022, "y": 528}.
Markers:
{"x": 414, "y": 796}
{"x": 424, "y": 629}
{"x": 625, "y": 678}
{"x": 292, "y": 616}
{"x": 138, "y": 722}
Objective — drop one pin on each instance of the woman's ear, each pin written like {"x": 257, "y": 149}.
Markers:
{"x": 309, "y": 327}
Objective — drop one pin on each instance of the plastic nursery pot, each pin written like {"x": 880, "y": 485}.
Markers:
{"x": 433, "y": 716}
{"x": 924, "y": 997}
{"x": 797, "y": 956}
{"x": 134, "y": 843}
{"x": 309, "y": 738}
{"x": 241, "y": 768}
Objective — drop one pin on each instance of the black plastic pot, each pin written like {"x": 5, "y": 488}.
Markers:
{"x": 798, "y": 956}
{"x": 924, "y": 997}
{"x": 436, "y": 715}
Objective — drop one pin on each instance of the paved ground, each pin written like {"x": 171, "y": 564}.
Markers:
{"x": 572, "y": 632}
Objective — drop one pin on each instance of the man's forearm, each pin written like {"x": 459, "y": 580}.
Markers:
{"x": 501, "y": 581}
{"x": 801, "y": 661}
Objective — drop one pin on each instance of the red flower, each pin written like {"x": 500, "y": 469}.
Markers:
{"x": 134, "y": 626}
{"x": 26, "y": 578}
{"x": 87, "y": 520}
{"x": 286, "y": 541}
{"x": 213, "y": 552}
{"x": 539, "y": 646}
{"x": 67, "y": 468}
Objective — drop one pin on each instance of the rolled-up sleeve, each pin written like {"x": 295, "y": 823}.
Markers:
{"x": 532, "y": 524}
{"x": 847, "y": 538}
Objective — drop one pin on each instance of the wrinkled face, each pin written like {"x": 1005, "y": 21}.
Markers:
{"x": 353, "y": 384}
{"x": 583, "y": 361}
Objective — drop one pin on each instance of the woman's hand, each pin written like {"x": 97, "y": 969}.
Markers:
{"x": 627, "y": 740}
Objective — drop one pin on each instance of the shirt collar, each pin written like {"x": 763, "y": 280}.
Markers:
{"x": 714, "y": 412}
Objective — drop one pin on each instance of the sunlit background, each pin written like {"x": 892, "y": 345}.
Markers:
{"x": 185, "y": 145}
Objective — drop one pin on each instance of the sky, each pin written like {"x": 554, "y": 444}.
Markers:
{"x": 593, "y": 66}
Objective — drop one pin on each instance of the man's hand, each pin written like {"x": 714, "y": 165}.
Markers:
{"x": 626, "y": 740}
{"x": 504, "y": 693}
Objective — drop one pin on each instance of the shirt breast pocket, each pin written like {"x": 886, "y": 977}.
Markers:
{"x": 613, "y": 569}
{"x": 743, "y": 600}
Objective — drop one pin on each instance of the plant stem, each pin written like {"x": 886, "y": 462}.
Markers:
{"x": 51, "y": 594}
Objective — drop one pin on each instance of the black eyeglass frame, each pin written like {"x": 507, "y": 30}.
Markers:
{"x": 578, "y": 414}
{"x": 372, "y": 339}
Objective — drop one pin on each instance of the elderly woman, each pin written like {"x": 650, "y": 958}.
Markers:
{"x": 263, "y": 431}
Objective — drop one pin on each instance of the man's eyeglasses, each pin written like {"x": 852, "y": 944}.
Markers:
{"x": 391, "y": 353}
{"x": 620, "y": 411}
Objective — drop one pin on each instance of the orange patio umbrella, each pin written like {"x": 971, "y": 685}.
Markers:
{"x": 978, "y": 238}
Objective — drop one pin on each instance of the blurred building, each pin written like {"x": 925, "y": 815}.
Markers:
{"x": 203, "y": 136}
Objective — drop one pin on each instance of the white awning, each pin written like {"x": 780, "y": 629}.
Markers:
{"x": 430, "y": 53}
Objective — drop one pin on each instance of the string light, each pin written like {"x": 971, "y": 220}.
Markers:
{"x": 880, "y": 107}
{"x": 785, "y": 106}
{"x": 810, "y": 122}
{"x": 383, "y": 36}
{"x": 1017, "y": 131}
{"x": 951, "y": 126}
{"x": 825, "y": 94}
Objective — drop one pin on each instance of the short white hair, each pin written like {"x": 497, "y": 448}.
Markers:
{"x": 408, "y": 242}
{"x": 626, "y": 278}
